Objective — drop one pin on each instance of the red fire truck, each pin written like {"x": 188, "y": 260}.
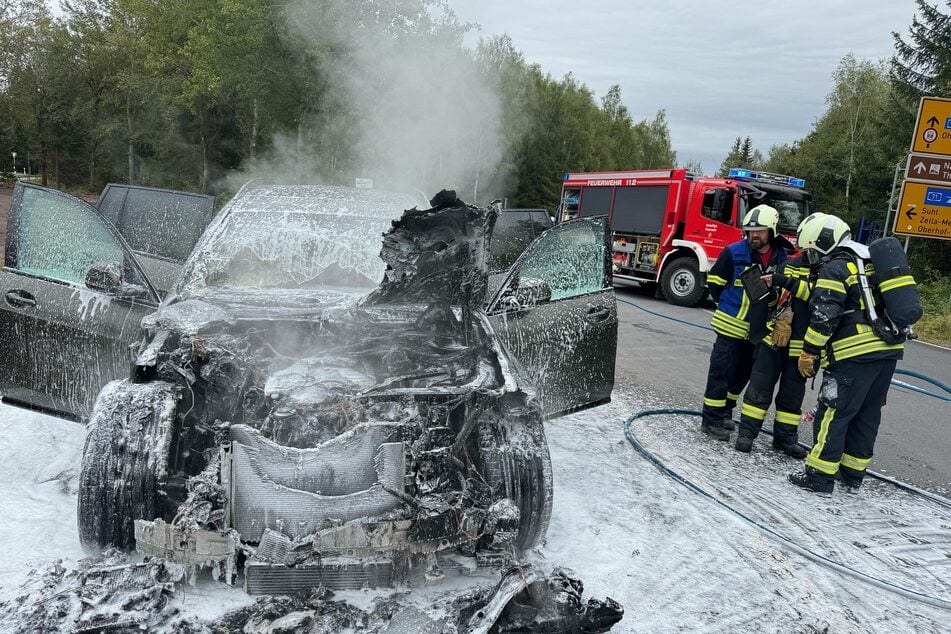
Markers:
{"x": 670, "y": 225}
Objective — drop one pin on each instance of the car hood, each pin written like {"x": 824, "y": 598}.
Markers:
{"x": 434, "y": 257}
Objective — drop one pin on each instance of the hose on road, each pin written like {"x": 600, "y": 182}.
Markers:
{"x": 773, "y": 534}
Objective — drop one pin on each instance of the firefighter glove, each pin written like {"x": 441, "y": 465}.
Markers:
{"x": 807, "y": 364}
{"x": 782, "y": 330}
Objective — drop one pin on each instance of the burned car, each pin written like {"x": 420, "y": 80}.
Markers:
{"x": 330, "y": 413}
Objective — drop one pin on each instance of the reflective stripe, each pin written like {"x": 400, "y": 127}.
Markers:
{"x": 795, "y": 347}
{"x": 855, "y": 351}
{"x": 898, "y": 282}
{"x": 716, "y": 279}
{"x": 802, "y": 291}
{"x": 814, "y": 338}
{"x": 858, "y": 464}
{"x": 712, "y": 402}
{"x": 752, "y": 411}
{"x": 730, "y": 326}
{"x": 730, "y": 396}
{"x": 813, "y": 460}
{"x": 831, "y": 285}
{"x": 744, "y": 307}
{"x": 788, "y": 418}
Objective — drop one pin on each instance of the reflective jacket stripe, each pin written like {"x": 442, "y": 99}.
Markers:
{"x": 729, "y": 326}
{"x": 831, "y": 285}
{"x": 814, "y": 338}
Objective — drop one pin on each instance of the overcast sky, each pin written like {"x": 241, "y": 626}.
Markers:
{"x": 720, "y": 68}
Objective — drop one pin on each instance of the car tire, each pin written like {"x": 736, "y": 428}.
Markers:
{"x": 517, "y": 465}
{"x": 682, "y": 282}
{"x": 123, "y": 465}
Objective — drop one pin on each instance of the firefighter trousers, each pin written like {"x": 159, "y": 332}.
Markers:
{"x": 846, "y": 422}
{"x": 769, "y": 366}
{"x": 731, "y": 362}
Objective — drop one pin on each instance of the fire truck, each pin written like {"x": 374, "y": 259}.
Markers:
{"x": 669, "y": 226}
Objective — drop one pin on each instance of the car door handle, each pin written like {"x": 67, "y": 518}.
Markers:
{"x": 20, "y": 299}
{"x": 596, "y": 314}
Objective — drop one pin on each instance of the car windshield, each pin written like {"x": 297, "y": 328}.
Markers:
{"x": 296, "y": 238}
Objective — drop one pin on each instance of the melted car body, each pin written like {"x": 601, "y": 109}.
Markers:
{"x": 333, "y": 412}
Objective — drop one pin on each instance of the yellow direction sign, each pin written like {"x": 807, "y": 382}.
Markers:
{"x": 933, "y": 128}
{"x": 924, "y": 210}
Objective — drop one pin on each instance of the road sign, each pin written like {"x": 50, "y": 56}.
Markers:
{"x": 933, "y": 127}
{"x": 929, "y": 167}
{"x": 924, "y": 211}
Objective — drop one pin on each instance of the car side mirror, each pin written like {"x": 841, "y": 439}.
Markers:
{"x": 105, "y": 277}
{"x": 532, "y": 291}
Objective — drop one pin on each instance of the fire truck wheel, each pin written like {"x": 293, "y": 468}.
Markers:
{"x": 682, "y": 282}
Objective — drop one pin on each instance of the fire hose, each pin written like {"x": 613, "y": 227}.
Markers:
{"x": 775, "y": 535}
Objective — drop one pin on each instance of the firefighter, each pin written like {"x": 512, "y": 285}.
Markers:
{"x": 777, "y": 358}
{"x": 732, "y": 356}
{"x": 861, "y": 362}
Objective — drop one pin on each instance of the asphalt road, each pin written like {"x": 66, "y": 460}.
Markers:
{"x": 670, "y": 360}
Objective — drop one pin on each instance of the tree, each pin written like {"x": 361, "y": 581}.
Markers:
{"x": 743, "y": 155}
{"x": 920, "y": 66}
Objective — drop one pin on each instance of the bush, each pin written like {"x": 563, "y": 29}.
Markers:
{"x": 935, "y": 325}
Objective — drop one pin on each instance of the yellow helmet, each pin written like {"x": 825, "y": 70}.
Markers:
{"x": 821, "y": 233}
{"x": 761, "y": 217}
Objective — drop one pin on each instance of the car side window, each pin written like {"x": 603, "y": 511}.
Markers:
{"x": 514, "y": 231}
{"x": 165, "y": 224}
{"x": 61, "y": 238}
{"x": 569, "y": 258}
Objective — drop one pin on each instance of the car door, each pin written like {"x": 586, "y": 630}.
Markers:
{"x": 72, "y": 299}
{"x": 161, "y": 225}
{"x": 556, "y": 313}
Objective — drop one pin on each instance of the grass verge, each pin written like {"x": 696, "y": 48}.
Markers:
{"x": 935, "y": 325}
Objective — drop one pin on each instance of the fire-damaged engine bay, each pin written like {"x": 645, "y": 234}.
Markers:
{"x": 342, "y": 440}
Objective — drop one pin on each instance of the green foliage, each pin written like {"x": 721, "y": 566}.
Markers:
{"x": 183, "y": 94}
{"x": 742, "y": 155}
{"x": 935, "y": 325}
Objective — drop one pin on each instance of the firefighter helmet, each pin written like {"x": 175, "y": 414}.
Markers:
{"x": 822, "y": 232}
{"x": 761, "y": 217}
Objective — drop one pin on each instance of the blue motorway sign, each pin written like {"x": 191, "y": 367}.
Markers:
{"x": 938, "y": 196}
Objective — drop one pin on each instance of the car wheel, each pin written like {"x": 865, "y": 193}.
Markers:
{"x": 124, "y": 461}
{"x": 517, "y": 465}
{"x": 683, "y": 283}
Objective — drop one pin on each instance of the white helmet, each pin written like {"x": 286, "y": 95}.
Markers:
{"x": 822, "y": 233}
{"x": 761, "y": 217}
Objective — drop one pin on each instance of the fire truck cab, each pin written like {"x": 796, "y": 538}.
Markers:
{"x": 670, "y": 225}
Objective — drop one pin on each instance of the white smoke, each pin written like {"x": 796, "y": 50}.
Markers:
{"x": 400, "y": 102}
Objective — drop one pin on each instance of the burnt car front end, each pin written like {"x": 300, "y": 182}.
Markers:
{"x": 323, "y": 434}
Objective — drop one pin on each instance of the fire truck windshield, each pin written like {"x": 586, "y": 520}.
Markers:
{"x": 792, "y": 207}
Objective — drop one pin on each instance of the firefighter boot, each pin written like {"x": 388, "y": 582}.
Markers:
{"x": 743, "y": 443}
{"x": 809, "y": 479}
{"x": 786, "y": 440}
{"x": 717, "y": 431}
{"x": 852, "y": 484}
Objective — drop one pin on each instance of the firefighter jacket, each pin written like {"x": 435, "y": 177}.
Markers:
{"x": 794, "y": 276}
{"x": 838, "y": 322}
{"x": 735, "y": 313}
